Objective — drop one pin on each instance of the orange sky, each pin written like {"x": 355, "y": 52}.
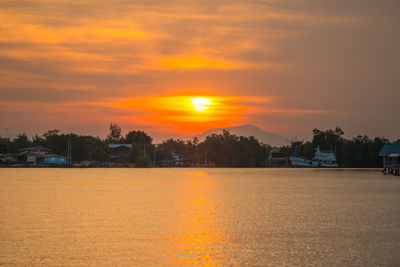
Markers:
{"x": 286, "y": 66}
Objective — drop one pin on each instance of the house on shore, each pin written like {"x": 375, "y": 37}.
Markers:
{"x": 117, "y": 150}
{"x": 38, "y": 150}
{"x": 278, "y": 159}
{"x": 8, "y": 158}
{"x": 390, "y": 154}
{"x": 52, "y": 159}
{"x": 30, "y": 155}
{"x": 176, "y": 160}
{"x": 28, "y": 158}
{"x": 40, "y": 156}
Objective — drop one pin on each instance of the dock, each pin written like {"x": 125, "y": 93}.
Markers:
{"x": 390, "y": 154}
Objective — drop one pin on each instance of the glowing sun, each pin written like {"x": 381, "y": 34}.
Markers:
{"x": 201, "y": 103}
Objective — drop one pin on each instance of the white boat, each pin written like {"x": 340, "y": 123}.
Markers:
{"x": 320, "y": 159}
{"x": 324, "y": 159}
{"x": 297, "y": 161}
{"x": 300, "y": 162}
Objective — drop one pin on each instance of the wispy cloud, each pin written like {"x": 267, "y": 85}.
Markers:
{"x": 307, "y": 54}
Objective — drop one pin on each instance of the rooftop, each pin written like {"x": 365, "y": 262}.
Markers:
{"x": 34, "y": 148}
{"x": 119, "y": 145}
{"x": 389, "y": 149}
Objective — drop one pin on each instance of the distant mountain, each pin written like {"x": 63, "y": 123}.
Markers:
{"x": 159, "y": 137}
{"x": 269, "y": 138}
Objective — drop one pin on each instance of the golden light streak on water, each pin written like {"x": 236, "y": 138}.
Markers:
{"x": 208, "y": 217}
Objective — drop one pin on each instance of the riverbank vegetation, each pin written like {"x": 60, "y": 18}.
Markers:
{"x": 220, "y": 150}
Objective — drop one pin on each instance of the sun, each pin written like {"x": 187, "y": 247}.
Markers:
{"x": 201, "y": 103}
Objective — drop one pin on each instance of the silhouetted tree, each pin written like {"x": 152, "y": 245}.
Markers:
{"x": 142, "y": 148}
{"x": 7, "y": 146}
{"x": 225, "y": 149}
{"x": 21, "y": 141}
{"x": 139, "y": 137}
{"x": 114, "y": 135}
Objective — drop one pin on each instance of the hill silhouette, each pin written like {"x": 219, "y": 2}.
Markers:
{"x": 269, "y": 138}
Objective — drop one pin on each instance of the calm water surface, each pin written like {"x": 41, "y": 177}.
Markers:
{"x": 169, "y": 217}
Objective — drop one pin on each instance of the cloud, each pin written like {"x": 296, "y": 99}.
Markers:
{"x": 310, "y": 56}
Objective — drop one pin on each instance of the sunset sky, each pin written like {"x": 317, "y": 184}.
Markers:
{"x": 182, "y": 67}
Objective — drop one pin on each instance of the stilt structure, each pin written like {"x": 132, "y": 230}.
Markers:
{"x": 390, "y": 154}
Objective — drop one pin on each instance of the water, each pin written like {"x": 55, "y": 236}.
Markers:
{"x": 169, "y": 217}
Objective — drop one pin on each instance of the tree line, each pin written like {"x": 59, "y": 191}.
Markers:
{"x": 223, "y": 150}
{"x": 357, "y": 152}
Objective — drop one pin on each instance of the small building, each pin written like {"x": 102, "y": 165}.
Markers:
{"x": 8, "y": 159}
{"x": 117, "y": 150}
{"x": 390, "y": 154}
{"x": 180, "y": 161}
{"x": 52, "y": 159}
{"x": 39, "y": 155}
{"x": 38, "y": 150}
{"x": 278, "y": 159}
{"x": 28, "y": 158}
{"x": 32, "y": 155}
{"x": 175, "y": 160}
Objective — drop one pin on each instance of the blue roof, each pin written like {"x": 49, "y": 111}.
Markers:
{"x": 396, "y": 148}
{"x": 388, "y": 149}
{"x": 385, "y": 150}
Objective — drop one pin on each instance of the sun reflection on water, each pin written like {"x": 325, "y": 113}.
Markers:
{"x": 198, "y": 239}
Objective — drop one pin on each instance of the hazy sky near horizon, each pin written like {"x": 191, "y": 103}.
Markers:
{"x": 286, "y": 66}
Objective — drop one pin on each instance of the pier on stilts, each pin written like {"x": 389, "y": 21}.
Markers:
{"x": 390, "y": 154}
